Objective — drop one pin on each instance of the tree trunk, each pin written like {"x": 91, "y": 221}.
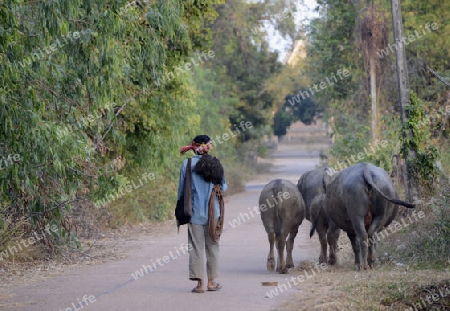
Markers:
{"x": 373, "y": 95}
{"x": 403, "y": 88}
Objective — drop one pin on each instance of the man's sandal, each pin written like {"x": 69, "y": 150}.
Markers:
{"x": 215, "y": 288}
{"x": 198, "y": 290}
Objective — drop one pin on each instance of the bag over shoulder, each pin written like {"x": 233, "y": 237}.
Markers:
{"x": 183, "y": 210}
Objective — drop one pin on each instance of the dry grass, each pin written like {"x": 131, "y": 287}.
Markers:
{"x": 413, "y": 265}
{"x": 341, "y": 287}
{"x": 426, "y": 242}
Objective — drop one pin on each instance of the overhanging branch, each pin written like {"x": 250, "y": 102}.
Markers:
{"x": 438, "y": 76}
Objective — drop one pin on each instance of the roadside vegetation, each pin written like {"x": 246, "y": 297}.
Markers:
{"x": 414, "y": 261}
{"x": 97, "y": 98}
{"x": 428, "y": 115}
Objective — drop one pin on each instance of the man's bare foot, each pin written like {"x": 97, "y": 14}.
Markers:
{"x": 199, "y": 287}
{"x": 213, "y": 286}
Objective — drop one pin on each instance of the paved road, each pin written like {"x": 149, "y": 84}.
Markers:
{"x": 243, "y": 256}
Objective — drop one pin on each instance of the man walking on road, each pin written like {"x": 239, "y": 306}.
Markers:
{"x": 208, "y": 183}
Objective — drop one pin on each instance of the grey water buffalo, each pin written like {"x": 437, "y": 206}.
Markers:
{"x": 326, "y": 229}
{"x": 313, "y": 183}
{"x": 361, "y": 200}
{"x": 312, "y": 186}
{"x": 282, "y": 212}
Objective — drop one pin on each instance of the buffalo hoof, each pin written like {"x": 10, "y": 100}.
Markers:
{"x": 371, "y": 261}
{"x": 288, "y": 266}
{"x": 271, "y": 264}
{"x": 332, "y": 260}
{"x": 284, "y": 271}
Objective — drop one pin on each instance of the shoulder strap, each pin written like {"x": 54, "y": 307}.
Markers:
{"x": 188, "y": 190}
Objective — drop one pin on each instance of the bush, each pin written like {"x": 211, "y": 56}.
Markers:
{"x": 355, "y": 139}
{"x": 426, "y": 243}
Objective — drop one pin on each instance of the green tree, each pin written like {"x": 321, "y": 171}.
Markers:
{"x": 63, "y": 65}
{"x": 244, "y": 63}
{"x": 334, "y": 38}
{"x": 281, "y": 121}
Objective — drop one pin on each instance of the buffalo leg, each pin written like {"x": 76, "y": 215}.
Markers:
{"x": 372, "y": 257}
{"x": 281, "y": 244}
{"x": 289, "y": 248}
{"x": 335, "y": 234}
{"x": 355, "y": 248}
{"x": 361, "y": 243}
{"x": 372, "y": 242}
{"x": 332, "y": 238}
{"x": 323, "y": 244}
{"x": 271, "y": 257}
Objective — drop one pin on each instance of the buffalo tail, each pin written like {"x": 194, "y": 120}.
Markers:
{"x": 277, "y": 188}
{"x": 369, "y": 180}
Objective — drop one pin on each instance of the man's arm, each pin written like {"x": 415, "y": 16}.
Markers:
{"x": 223, "y": 184}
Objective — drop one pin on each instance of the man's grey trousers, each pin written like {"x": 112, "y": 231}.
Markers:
{"x": 200, "y": 240}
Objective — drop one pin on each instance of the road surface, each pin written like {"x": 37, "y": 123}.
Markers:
{"x": 155, "y": 274}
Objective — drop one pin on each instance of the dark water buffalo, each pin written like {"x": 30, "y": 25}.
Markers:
{"x": 361, "y": 200}
{"x": 282, "y": 212}
{"x": 313, "y": 183}
{"x": 312, "y": 186}
{"x": 326, "y": 229}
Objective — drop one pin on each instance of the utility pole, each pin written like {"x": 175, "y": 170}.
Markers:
{"x": 403, "y": 88}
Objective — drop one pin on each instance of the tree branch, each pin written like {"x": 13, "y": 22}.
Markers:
{"x": 438, "y": 76}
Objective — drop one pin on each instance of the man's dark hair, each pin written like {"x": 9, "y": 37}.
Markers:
{"x": 202, "y": 139}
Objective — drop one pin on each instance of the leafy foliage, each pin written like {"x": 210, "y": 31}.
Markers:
{"x": 334, "y": 44}
{"x": 243, "y": 66}
{"x": 305, "y": 110}
{"x": 96, "y": 94}
{"x": 63, "y": 64}
{"x": 333, "y": 47}
{"x": 422, "y": 165}
{"x": 281, "y": 122}
{"x": 295, "y": 108}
